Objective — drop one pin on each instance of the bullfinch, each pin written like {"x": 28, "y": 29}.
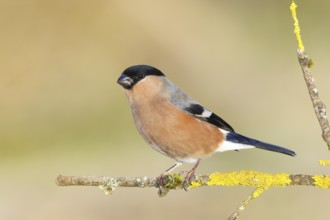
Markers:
{"x": 176, "y": 125}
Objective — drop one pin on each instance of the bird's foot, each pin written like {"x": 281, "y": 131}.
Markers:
{"x": 162, "y": 190}
{"x": 188, "y": 179}
{"x": 161, "y": 180}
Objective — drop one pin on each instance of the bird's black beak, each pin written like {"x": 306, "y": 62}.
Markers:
{"x": 125, "y": 81}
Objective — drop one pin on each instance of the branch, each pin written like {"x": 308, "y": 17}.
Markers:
{"x": 306, "y": 63}
{"x": 174, "y": 181}
{"x": 319, "y": 107}
{"x": 255, "y": 194}
{"x": 261, "y": 182}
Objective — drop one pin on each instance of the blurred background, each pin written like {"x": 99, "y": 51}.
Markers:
{"x": 61, "y": 111}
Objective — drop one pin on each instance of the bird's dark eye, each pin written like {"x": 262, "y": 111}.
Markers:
{"x": 140, "y": 76}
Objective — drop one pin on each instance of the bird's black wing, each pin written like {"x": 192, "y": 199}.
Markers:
{"x": 200, "y": 112}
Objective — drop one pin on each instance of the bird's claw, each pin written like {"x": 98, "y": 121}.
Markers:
{"x": 188, "y": 179}
{"x": 162, "y": 190}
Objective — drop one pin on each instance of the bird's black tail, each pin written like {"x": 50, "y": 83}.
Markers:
{"x": 240, "y": 139}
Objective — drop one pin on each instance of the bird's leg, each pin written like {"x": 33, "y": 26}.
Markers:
{"x": 189, "y": 176}
{"x": 166, "y": 172}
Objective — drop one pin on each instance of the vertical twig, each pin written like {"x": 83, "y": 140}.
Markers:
{"x": 306, "y": 63}
{"x": 255, "y": 194}
{"x": 319, "y": 107}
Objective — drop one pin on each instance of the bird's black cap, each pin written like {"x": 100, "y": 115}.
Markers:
{"x": 134, "y": 74}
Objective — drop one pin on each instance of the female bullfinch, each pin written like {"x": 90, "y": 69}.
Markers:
{"x": 176, "y": 125}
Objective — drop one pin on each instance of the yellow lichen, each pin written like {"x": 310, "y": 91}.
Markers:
{"x": 248, "y": 178}
{"x": 194, "y": 184}
{"x": 172, "y": 181}
{"x": 310, "y": 63}
{"x": 325, "y": 162}
{"x": 258, "y": 192}
{"x": 322, "y": 181}
{"x": 293, "y": 7}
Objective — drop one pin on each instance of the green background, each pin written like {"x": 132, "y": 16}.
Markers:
{"x": 61, "y": 111}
